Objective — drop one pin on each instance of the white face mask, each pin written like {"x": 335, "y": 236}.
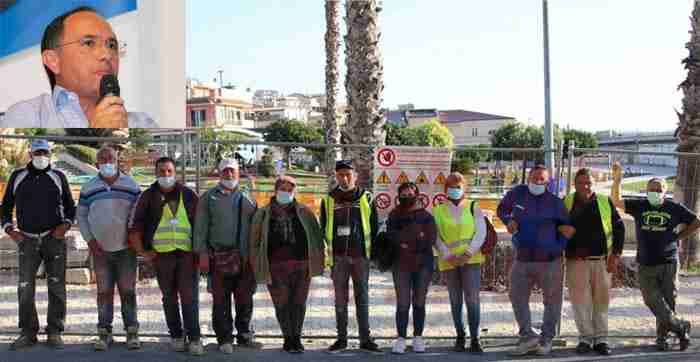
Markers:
{"x": 40, "y": 162}
{"x": 655, "y": 198}
{"x": 229, "y": 184}
{"x": 166, "y": 182}
{"x": 536, "y": 189}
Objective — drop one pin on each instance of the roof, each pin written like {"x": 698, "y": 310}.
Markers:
{"x": 458, "y": 116}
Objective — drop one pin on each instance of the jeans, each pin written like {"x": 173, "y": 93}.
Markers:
{"x": 115, "y": 269}
{"x": 343, "y": 269}
{"x": 174, "y": 271}
{"x": 524, "y": 277}
{"x": 242, "y": 287}
{"x": 289, "y": 291}
{"x": 463, "y": 286}
{"x": 411, "y": 289}
{"x": 32, "y": 251}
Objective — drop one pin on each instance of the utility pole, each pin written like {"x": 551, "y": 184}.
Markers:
{"x": 548, "y": 129}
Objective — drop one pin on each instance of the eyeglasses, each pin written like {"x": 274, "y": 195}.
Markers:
{"x": 89, "y": 43}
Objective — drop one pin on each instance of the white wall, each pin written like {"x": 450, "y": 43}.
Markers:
{"x": 151, "y": 74}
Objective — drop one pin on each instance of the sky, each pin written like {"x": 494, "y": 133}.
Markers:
{"x": 615, "y": 64}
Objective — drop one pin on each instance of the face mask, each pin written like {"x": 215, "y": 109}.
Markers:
{"x": 166, "y": 182}
{"x": 345, "y": 189}
{"x": 407, "y": 201}
{"x": 284, "y": 197}
{"x": 108, "y": 169}
{"x": 229, "y": 184}
{"x": 536, "y": 189}
{"x": 454, "y": 193}
{"x": 654, "y": 198}
{"x": 40, "y": 162}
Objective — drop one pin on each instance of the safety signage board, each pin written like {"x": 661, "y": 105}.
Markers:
{"x": 394, "y": 165}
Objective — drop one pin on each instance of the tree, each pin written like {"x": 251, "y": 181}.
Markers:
{"x": 220, "y": 150}
{"x": 582, "y": 139}
{"x": 144, "y": 138}
{"x": 292, "y": 131}
{"x": 363, "y": 84}
{"x": 688, "y": 133}
{"x": 432, "y": 133}
{"x": 330, "y": 118}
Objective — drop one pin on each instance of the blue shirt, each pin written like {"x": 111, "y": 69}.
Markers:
{"x": 538, "y": 217}
{"x": 60, "y": 109}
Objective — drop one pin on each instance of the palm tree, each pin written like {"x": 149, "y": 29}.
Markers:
{"x": 363, "y": 84}
{"x": 688, "y": 134}
{"x": 332, "y": 55}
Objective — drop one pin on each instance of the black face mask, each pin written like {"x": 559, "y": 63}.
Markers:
{"x": 407, "y": 201}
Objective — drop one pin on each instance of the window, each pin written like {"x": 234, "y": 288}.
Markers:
{"x": 198, "y": 117}
{"x": 475, "y": 132}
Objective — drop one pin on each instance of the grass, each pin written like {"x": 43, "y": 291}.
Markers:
{"x": 642, "y": 185}
{"x": 693, "y": 269}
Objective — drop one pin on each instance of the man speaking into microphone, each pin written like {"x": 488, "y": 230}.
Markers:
{"x": 80, "y": 53}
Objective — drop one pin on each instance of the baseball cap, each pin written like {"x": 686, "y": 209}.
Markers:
{"x": 40, "y": 144}
{"x": 228, "y": 163}
{"x": 339, "y": 165}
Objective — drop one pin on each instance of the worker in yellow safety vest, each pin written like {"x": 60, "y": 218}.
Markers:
{"x": 349, "y": 220}
{"x": 461, "y": 232}
{"x": 160, "y": 229}
{"x": 591, "y": 256}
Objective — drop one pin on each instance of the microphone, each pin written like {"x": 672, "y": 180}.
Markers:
{"x": 109, "y": 86}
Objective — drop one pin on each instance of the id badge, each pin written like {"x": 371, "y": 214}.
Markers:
{"x": 173, "y": 222}
{"x": 343, "y": 231}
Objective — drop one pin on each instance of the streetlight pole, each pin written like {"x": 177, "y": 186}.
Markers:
{"x": 548, "y": 129}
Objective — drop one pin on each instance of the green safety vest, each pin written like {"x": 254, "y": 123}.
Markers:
{"x": 456, "y": 236}
{"x": 174, "y": 231}
{"x": 605, "y": 215}
{"x": 365, "y": 213}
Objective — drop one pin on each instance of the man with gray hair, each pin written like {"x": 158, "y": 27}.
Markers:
{"x": 221, "y": 231}
{"x": 103, "y": 214}
{"x": 657, "y": 221}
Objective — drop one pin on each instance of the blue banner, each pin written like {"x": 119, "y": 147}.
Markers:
{"x": 22, "y": 24}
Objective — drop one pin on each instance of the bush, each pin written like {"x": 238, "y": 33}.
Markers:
{"x": 265, "y": 166}
{"x": 83, "y": 153}
{"x": 464, "y": 166}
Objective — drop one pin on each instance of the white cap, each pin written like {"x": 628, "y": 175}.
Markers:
{"x": 228, "y": 163}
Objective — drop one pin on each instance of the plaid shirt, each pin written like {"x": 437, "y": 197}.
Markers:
{"x": 60, "y": 109}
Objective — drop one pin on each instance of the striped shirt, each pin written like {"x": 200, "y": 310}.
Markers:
{"x": 103, "y": 211}
{"x": 60, "y": 109}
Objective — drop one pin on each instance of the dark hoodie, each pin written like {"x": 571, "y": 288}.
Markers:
{"x": 413, "y": 233}
{"x": 347, "y": 213}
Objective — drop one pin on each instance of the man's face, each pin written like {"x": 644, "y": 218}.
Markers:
{"x": 346, "y": 178}
{"x": 654, "y": 186}
{"x": 79, "y": 68}
{"x": 105, "y": 157}
{"x": 583, "y": 185}
{"x": 230, "y": 174}
{"x": 539, "y": 177}
{"x": 165, "y": 169}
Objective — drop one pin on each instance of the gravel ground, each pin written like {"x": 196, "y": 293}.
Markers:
{"x": 628, "y": 315}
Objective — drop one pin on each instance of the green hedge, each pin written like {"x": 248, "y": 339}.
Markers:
{"x": 83, "y": 153}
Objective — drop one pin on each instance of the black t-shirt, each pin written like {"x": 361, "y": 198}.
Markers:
{"x": 657, "y": 240}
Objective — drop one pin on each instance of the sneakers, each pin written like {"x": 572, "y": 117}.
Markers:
{"x": 684, "y": 335}
{"x": 525, "y": 347}
{"x": 399, "y": 346}
{"x": 226, "y": 348}
{"x": 603, "y": 349}
{"x": 583, "y": 348}
{"x": 340, "y": 345}
{"x": 662, "y": 345}
{"x": 178, "y": 344}
{"x": 104, "y": 339}
{"x": 460, "y": 342}
{"x": 196, "y": 348}
{"x": 544, "y": 349}
{"x": 23, "y": 341}
{"x": 370, "y": 347}
{"x": 418, "y": 344}
{"x": 55, "y": 341}
{"x": 475, "y": 346}
{"x": 132, "y": 338}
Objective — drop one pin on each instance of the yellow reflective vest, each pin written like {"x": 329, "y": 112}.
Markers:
{"x": 605, "y": 212}
{"x": 456, "y": 235}
{"x": 365, "y": 214}
{"x": 174, "y": 232}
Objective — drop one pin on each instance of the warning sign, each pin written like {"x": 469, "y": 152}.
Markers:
{"x": 440, "y": 179}
{"x": 421, "y": 179}
{"x": 395, "y": 165}
{"x": 383, "y": 178}
{"x": 403, "y": 178}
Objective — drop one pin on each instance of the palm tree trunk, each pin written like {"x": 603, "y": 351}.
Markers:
{"x": 332, "y": 74}
{"x": 688, "y": 133}
{"x": 363, "y": 84}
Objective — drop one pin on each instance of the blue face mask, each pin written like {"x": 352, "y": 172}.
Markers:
{"x": 455, "y": 193}
{"x": 536, "y": 189}
{"x": 108, "y": 169}
{"x": 284, "y": 197}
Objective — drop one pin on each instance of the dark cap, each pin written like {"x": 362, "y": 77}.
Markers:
{"x": 339, "y": 165}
